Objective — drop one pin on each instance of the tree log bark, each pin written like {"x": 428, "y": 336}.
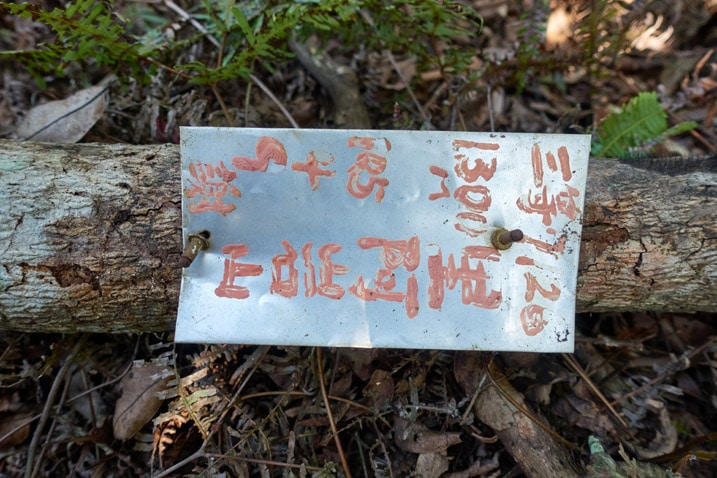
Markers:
{"x": 90, "y": 237}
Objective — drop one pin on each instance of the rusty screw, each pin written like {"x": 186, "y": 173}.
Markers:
{"x": 195, "y": 244}
{"x": 502, "y": 238}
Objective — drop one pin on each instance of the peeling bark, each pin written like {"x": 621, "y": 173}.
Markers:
{"x": 90, "y": 237}
{"x": 649, "y": 237}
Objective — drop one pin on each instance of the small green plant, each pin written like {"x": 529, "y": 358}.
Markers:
{"x": 86, "y": 30}
{"x": 642, "y": 122}
{"x": 425, "y": 29}
{"x": 532, "y": 36}
{"x": 603, "y": 40}
{"x": 247, "y": 34}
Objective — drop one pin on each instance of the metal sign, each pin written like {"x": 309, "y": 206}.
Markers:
{"x": 416, "y": 239}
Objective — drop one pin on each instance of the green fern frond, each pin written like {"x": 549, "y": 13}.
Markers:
{"x": 641, "y": 121}
{"x": 85, "y": 30}
{"x": 251, "y": 34}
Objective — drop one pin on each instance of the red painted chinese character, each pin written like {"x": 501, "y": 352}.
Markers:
{"x": 565, "y": 201}
{"x": 474, "y": 288}
{"x": 543, "y": 203}
{"x": 477, "y": 199}
{"x": 480, "y": 169}
{"x": 211, "y": 183}
{"x": 548, "y": 206}
{"x": 370, "y": 162}
{"x": 284, "y": 287}
{"x": 531, "y": 318}
{"x": 442, "y": 173}
{"x": 365, "y": 142}
{"x": 537, "y": 162}
{"x": 234, "y": 269}
{"x": 393, "y": 254}
{"x": 546, "y": 247}
{"x": 266, "y": 148}
{"x": 312, "y": 167}
{"x": 327, "y": 270}
{"x": 539, "y": 203}
{"x": 532, "y": 285}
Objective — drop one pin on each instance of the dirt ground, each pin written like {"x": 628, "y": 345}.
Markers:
{"x": 642, "y": 383}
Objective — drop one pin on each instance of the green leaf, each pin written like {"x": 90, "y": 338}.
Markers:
{"x": 641, "y": 121}
{"x": 244, "y": 25}
{"x": 680, "y": 128}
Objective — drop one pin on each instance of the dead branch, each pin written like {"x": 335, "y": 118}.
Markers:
{"x": 91, "y": 235}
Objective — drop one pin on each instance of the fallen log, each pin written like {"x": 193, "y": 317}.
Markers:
{"x": 90, "y": 237}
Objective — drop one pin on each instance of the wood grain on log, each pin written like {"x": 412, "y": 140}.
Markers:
{"x": 649, "y": 238}
{"x": 90, "y": 237}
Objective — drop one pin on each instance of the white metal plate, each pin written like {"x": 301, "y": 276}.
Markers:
{"x": 381, "y": 238}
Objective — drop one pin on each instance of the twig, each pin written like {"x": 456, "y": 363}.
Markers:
{"x": 405, "y": 82}
{"x": 267, "y": 462}
{"x": 437, "y": 94}
{"x": 477, "y": 468}
{"x": 469, "y": 407}
{"x": 110, "y": 382}
{"x": 329, "y": 414}
{"x": 579, "y": 370}
{"x": 251, "y": 363}
{"x": 194, "y": 456}
{"x": 460, "y": 117}
{"x": 53, "y": 424}
{"x": 215, "y": 90}
{"x": 340, "y": 83}
{"x": 31, "y": 471}
{"x": 426, "y": 120}
{"x": 361, "y": 407}
{"x": 69, "y": 113}
{"x": 215, "y": 42}
{"x": 247, "y": 95}
{"x": 223, "y": 105}
{"x": 489, "y": 97}
{"x": 273, "y": 98}
{"x": 383, "y": 448}
{"x": 670, "y": 370}
{"x": 362, "y": 457}
{"x": 492, "y": 369}
{"x": 71, "y": 399}
{"x": 173, "y": 6}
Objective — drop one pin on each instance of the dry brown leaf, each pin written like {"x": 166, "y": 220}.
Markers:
{"x": 65, "y": 121}
{"x": 361, "y": 361}
{"x": 664, "y": 440}
{"x": 10, "y": 402}
{"x": 584, "y": 413}
{"x": 431, "y": 464}
{"x": 416, "y": 438}
{"x": 407, "y": 69}
{"x": 379, "y": 389}
{"x": 20, "y": 423}
{"x": 139, "y": 401}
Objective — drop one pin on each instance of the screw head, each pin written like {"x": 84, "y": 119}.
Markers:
{"x": 195, "y": 244}
{"x": 502, "y": 238}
